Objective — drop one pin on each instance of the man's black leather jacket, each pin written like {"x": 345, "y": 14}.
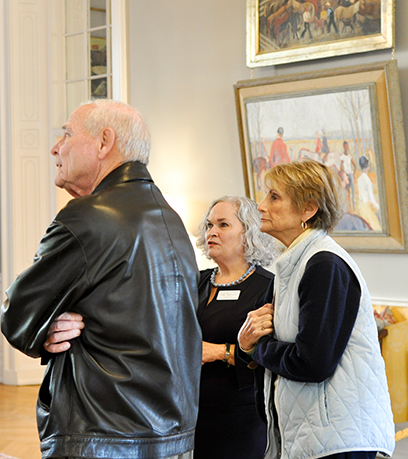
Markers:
{"x": 128, "y": 387}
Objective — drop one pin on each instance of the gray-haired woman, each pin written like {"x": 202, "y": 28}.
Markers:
{"x": 228, "y": 424}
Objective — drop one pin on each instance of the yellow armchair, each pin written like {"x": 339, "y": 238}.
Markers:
{"x": 394, "y": 348}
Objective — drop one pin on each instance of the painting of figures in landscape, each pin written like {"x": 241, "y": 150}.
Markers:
{"x": 290, "y": 23}
{"x": 284, "y": 31}
{"x": 341, "y": 134}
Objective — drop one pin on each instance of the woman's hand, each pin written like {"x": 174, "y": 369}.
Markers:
{"x": 213, "y": 352}
{"x": 257, "y": 324}
{"x": 65, "y": 327}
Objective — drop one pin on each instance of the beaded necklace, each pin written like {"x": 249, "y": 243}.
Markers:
{"x": 235, "y": 282}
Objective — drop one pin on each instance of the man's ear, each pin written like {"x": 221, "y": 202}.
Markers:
{"x": 310, "y": 210}
{"x": 106, "y": 142}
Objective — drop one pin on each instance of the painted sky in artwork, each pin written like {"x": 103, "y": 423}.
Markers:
{"x": 302, "y": 115}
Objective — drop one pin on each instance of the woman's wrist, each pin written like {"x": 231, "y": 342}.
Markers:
{"x": 227, "y": 352}
{"x": 247, "y": 351}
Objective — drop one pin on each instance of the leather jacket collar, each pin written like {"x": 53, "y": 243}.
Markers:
{"x": 127, "y": 172}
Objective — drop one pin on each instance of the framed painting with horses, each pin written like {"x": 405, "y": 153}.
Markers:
{"x": 349, "y": 119}
{"x": 283, "y": 31}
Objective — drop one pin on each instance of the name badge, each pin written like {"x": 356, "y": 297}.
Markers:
{"x": 228, "y": 294}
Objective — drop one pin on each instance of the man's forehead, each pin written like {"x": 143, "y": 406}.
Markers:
{"x": 77, "y": 116}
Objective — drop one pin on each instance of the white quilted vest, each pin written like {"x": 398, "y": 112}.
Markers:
{"x": 351, "y": 410}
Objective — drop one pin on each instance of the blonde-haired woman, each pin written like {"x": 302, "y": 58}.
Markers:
{"x": 330, "y": 395}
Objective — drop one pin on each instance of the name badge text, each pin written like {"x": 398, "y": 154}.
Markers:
{"x": 228, "y": 294}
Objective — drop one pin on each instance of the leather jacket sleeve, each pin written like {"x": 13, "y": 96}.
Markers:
{"x": 43, "y": 291}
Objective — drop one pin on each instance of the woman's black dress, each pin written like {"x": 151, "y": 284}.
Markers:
{"x": 228, "y": 425}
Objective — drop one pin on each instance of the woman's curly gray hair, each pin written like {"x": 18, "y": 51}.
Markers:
{"x": 259, "y": 248}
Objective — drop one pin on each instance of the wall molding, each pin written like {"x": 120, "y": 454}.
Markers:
{"x": 390, "y": 302}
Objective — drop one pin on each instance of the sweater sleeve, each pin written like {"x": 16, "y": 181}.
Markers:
{"x": 329, "y": 298}
{"x": 241, "y": 363}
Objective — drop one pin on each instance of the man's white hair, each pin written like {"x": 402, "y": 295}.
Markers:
{"x": 132, "y": 135}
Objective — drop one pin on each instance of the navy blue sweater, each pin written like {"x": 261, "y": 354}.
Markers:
{"x": 329, "y": 297}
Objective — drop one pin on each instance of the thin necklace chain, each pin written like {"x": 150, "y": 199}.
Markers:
{"x": 235, "y": 282}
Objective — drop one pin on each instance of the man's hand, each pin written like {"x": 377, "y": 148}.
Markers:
{"x": 65, "y": 327}
{"x": 257, "y": 324}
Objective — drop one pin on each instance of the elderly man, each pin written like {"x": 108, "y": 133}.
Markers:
{"x": 119, "y": 257}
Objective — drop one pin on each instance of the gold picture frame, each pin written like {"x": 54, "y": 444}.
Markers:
{"x": 319, "y": 115}
{"x": 285, "y": 31}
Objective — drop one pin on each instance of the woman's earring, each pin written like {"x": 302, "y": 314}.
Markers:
{"x": 304, "y": 225}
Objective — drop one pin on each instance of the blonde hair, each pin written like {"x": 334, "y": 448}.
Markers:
{"x": 306, "y": 181}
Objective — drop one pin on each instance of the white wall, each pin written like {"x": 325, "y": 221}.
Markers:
{"x": 185, "y": 57}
